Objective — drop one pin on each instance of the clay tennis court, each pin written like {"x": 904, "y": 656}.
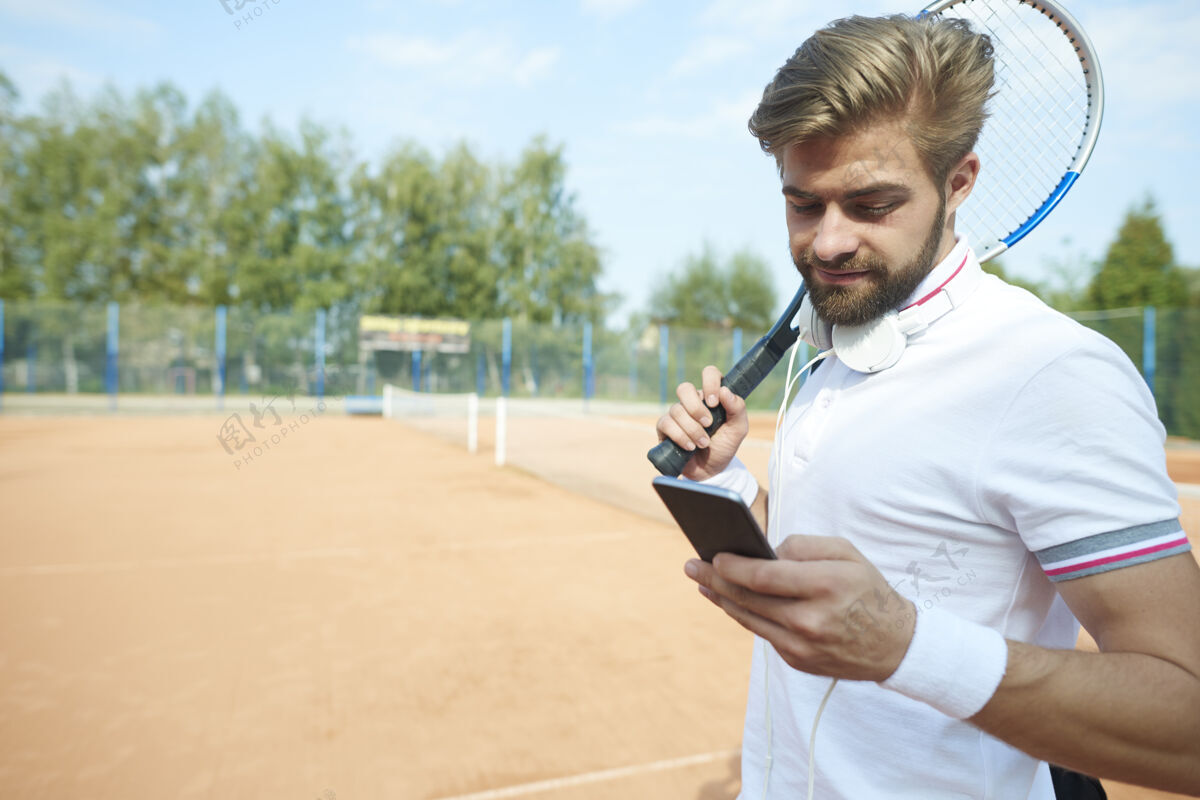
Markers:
{"x": 363, "y": 610}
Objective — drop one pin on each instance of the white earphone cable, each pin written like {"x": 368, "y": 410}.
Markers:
{"x": 773, "y": 500}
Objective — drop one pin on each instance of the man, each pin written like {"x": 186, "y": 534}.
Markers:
{"x": 942, "y": 524}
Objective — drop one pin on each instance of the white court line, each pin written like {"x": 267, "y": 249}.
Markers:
{"x": 594, "y": 777}
{"x": 192, "y": 561}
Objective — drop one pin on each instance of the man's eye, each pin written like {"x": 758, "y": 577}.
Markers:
{"x": 877, "y": 210}
{"x": 806, "y": 208}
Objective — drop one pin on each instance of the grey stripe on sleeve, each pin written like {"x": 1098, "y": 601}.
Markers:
{"x": 1105, "y": 541}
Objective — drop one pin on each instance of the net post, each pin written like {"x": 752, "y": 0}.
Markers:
{"x": 506, "y": 358}
{"x": 737, "y": 344}
{"x": 501, "y": 429}
{"x": 472, "y": 423}
{"x": 387, "y": 401}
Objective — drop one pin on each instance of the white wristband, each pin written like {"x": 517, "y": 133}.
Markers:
{"x": 952, "y": 664}
{"x": 736, "y": 477}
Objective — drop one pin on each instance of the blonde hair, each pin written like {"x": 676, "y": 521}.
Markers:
{"x": 934, "y": 75}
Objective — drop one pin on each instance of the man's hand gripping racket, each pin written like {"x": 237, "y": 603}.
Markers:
{"x": 668, "y": 457}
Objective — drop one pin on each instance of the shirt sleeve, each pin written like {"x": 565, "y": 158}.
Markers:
{"x": 1076, "y": 467}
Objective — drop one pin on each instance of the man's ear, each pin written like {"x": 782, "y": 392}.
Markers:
{"x": 960, "y": 181}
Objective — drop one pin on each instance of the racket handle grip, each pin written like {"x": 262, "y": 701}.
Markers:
{"x": 668, "y": 457}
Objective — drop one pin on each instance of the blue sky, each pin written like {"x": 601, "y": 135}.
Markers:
{"x": 649, "y": 100}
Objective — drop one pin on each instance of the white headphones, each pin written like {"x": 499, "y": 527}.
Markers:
{"x": 878, "y": 344}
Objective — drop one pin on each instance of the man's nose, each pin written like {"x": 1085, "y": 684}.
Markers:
{"x": 837, "y": 237}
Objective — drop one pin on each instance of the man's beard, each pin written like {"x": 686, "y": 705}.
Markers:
{"x": 884, "y": 290}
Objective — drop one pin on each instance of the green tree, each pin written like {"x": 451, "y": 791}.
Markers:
{"x": 425, "y": 231}
{"x": 704, "y": 293}
{"x": 1139, "y": 268}
{"x": 16, "y": 278}
{"x": 547, "y": 261}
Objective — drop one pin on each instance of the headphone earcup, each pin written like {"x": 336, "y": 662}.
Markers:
{"x": 813, "y": 330}
{"x": 872, "y": 347}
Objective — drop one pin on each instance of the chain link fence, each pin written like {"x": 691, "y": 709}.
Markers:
{"x": 159, "y": 351}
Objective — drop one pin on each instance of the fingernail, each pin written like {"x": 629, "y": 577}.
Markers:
{"x": 706, "y": 421}
{"x": 704, "y": 441}
{"x": 691, "y": 568}
{"x": 689, "y": 446}
{"x": 712, "y": 400}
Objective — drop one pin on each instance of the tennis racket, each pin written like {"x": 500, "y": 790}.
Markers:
{"x": 1042, "y": 126}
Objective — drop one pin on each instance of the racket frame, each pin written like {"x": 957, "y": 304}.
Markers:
{"x": 1094, "y": 81}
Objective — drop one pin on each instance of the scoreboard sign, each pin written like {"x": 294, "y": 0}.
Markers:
{"x": 376, "y": 332}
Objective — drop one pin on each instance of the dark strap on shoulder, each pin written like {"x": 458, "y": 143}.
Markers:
{"x": 1070, "y": 785}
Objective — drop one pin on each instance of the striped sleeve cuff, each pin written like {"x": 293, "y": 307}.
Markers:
{"x": 1113, "y": 550}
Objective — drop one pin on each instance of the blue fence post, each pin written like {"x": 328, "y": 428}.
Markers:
{"x": 589, "y": 379}
{"x": 680, "y": 373}
{"x": 416, "y": 370}
{"x": 506, "y": 359}
{"x": 481, "y": 375}
{"x": 633, "y": 351}
{"x": 737, "y": 344}
{"x": 533, "y": 369}
{"x": 1149, "y": 334}
{"x": 111, "y": 352}
{"x": 320, "y": 353}
{"x": 31, "y": 363}
{"x": 219, "y": 385}
{"x": 1, "y": 354}
{"x": 663, "y": 357}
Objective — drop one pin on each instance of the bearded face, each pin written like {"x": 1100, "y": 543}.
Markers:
{"x": 879, "y": 288}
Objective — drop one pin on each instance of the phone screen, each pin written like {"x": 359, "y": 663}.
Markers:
{"x": 715, "y": 520}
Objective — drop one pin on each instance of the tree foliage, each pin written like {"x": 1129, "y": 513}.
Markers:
{"x": 143, "y": 198}
{"x": 1139, "y": 268}
{"x": 705, "y": 293}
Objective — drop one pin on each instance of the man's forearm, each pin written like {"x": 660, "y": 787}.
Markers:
{"x": 1126, "y": 716}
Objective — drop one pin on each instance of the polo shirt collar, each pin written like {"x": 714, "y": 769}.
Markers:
{"x": 949, "y": 283}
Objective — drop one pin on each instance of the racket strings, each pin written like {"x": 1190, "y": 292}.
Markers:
{"x": 1037, "y": 121}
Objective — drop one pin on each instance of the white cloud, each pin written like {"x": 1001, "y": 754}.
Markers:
{"x": 608, "y": 8}
{"x": 472, "y": 59}
{"x": 723, "y": 118}
{"x": 1146, "y": 62}
{"x": 36, "y": 74}
{"x": 707, "y": 52}
{"x": 85, "y": 15}
{"x": 767, "y": 20}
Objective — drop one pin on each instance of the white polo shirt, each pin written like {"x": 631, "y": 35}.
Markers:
{"x": 1009, "y": 448}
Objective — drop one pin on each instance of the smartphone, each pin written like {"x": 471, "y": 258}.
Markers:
{"x": 715, "y": 520}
